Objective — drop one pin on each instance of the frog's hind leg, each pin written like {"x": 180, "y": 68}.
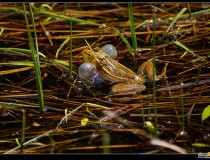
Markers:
{"x": 147, "y": 69}
{"x": 163, "y": 74}
{"x": 127, "y": 88}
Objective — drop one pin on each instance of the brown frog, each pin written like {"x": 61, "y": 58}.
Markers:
{"x": 122, "y": 78}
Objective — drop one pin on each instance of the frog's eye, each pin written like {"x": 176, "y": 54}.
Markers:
{"x": 106, "y": 56}
{"x": 89, "y": 54}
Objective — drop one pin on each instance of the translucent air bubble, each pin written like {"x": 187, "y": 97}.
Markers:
{"x": 110, "y": 50}
{"x": 89, "y": 74}
{"x": 150, "y": 21}
{"x": 171, "y": 38}
{"x": 78, "y": 89}
{"x": 183, "y": 133}
{"x": 97, "y": 79}
{"x": 4, "y": 114}
{"x": 45, "y": 109}
{"x": 149, "y": 118}
{"x": 68, "y": 77}
{"x": 87, "y": 70}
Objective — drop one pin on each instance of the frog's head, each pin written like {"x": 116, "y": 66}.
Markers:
{"x": 90, "y": 56}
{"x": 94, "y": 56}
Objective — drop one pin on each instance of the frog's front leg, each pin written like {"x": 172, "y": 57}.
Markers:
{"x": 147, "y": 69}
{"x": 127, "y": 87}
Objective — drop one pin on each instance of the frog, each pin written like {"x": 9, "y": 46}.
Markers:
{"x": 122, "y": 79}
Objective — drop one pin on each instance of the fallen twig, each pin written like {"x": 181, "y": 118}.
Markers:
{"x": 190, "y": 84}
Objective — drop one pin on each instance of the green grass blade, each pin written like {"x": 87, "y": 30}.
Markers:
{"x": 21, "y": 50}
{"x": 65, "y": 8}
{"x": 19, "y": 63}
{"x": 183, "y": 46}
{"x": 174, "y": 20}
{"x": 181, "y": 16}
{"x": 35, "y": 57}
{"x": 70, "y": 55}
{"x": 37, "y": 66}
{"x": 61, "y": 46}
{"x": 196, "y": 13}
{"x": 106, "y": 141}
{"x": 45, "y": 6}
{"x": 200, "y": 69}
{"x": 153, "y": 61}
{"x": 61, "y": 65}
{"x": 13, "y": 9}
{"x": 206, "y": 113}
{"x": 182, "y": 108}
{"x": 1, "y": 30}
{"x": 124, "y": 40}
{"x": 23, "y": 130}
{"x": 133, "y": 33}
{"x": 68, "y": 18}
{"x": 60, "y": 62}
{"x": 188, "y": 6}
{"x": 191, "y": 13}
{"x": 200, "y": 145}
{"x": 159, "y": 9}
{"x": 35, "y": 35}
{"x": 141, "y": 24}
{"x": 40, "y": 11}
{"x": 187, "y": 49}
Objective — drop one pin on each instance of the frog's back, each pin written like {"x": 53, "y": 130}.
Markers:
{"x": 114, "y": 72}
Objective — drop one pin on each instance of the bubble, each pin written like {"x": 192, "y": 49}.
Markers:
{"x": 120, "y": 126}
{"x": 45, "y": 109}
{"x": 87, "y": 70}
{"x": 78, "y": 89}
{"x": 110, "y": 50}
{"x": 98, "y": 79}
{"x": 171, "y": 38}
{"x": 4, "y": 114}
{"x": 149, "y": 118}
{"x": 103, "y": 25}
{"x": 150, "y": 21}
{"x": 32, "y": 72}
{"x": 68, "y": 77}
{"x": 183, "y": 133}
{"x": 47, "y": 34}
{"x": 168, "y": 122}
